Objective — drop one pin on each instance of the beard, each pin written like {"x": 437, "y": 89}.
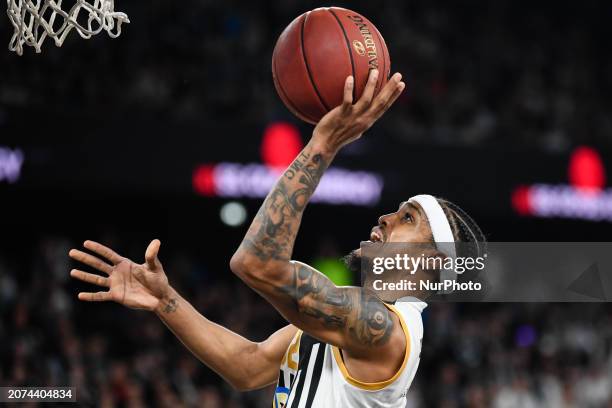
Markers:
{"x": 353, "y": 262}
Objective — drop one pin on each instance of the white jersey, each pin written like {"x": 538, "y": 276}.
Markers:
{"x": 313, "y": 373}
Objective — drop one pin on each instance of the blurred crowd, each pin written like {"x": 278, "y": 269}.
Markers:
{"x": 503, "y": 72}
{"x": 474, "y": 355}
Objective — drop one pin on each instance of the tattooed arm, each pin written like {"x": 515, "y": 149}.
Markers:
{"x": 350, "y": 318}
{"x": 243, "y": 363}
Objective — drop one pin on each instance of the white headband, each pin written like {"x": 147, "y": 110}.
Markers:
{"x": 440, "y": 229}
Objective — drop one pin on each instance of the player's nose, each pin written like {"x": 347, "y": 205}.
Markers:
{"x": 384, "y": 220}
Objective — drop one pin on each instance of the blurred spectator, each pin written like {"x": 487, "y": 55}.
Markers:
{"x": 504, "y": 72}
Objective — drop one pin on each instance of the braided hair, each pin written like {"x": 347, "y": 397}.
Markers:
{"x": 470, "y": 242}
{"x": 464, "y": 230}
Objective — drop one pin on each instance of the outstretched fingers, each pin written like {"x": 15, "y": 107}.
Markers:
{"x": 389, "y": 94}
{"x": 151, "y": 254}
{"x": 368, "y": 93}
{"x": 95, "y": 296}
{"x": 390, "y": 101}
{"x": 90, "y": 278}
{"x": 347, "y": 99}
{"x": 103, "y": 251}
{"x": 90, "y": 260}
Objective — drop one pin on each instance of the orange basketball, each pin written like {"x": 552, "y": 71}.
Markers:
{"x": 317, "y": 51}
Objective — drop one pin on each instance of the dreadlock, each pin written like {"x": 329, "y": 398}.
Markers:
{"x": 464, "y": 229}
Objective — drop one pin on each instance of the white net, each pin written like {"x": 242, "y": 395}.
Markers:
{"x": 35, "y": 20}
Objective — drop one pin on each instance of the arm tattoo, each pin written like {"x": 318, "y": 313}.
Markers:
{"x": 171, "y": 306}
{"x": 274, "y": 229}
{"x": 357, "y": 311}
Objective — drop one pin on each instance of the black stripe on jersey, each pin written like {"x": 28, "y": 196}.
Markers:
{"x": 297, "y": 389}
{"x": 316, "y": 375}
{"x": 306, "y": 343}
{"x": 281, "y": 379}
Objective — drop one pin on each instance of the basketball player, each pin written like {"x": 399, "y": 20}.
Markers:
{"x": 344, "y": 346}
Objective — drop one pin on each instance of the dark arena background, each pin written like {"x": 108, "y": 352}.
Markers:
{"x": 171, "y": 130}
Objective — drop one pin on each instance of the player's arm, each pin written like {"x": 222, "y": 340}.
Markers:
{"x": 350, "y": 318}
{"x": 245, "y": 364}
{"x": 242, "y": 363}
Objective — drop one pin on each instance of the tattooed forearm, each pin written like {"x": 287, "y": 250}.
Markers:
{"x": 171, "y": 306}
{"x": 364, "y": 316}
{"x": 296, "y": 289}
{"x": 297, "y": 165}
{"x": 273, "y": 232}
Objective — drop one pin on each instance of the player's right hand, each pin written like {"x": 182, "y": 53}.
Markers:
{"x": 347, "y": 122}
{"x": 138, "y": 286}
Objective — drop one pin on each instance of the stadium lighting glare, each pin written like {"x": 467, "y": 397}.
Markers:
{"x": 281, "y": 143}
{"x": 584, "y": 198}
{"x": 338, "y": 186}
{"x": 233, "y": 214}
{"x": 11, "y": 162}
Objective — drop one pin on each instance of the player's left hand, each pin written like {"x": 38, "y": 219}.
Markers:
{"x": 137, "y": 286}
{"x": 347, "y": 122}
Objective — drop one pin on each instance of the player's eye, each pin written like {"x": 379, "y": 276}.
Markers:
{"x": 408, "y": 217}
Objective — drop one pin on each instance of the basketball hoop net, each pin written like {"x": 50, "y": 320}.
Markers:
{"x": 35, "y": 20}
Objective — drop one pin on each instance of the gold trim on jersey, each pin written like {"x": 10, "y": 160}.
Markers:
{"x": 293, "y": 349}
{"x": 279, "y": 400}
{"x": 375, "y": 386}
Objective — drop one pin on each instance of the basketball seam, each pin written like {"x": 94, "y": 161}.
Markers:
{"x": 348, "y": 45}
{"x": 314, "y": 86}
{"x": 290, "y": 105}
